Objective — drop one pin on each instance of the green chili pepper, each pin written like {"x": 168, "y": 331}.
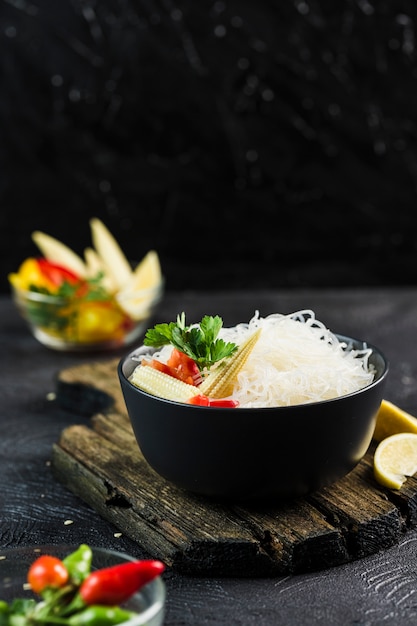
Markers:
{"x": 96, "y": 615}
{"x": 78, "y": 563}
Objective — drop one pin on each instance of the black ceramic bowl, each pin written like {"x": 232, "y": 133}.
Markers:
{"x": 253, "y": 454}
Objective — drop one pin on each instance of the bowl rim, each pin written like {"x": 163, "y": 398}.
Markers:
{"x": 140, "y": 619}
{"x": 345, "y": 338}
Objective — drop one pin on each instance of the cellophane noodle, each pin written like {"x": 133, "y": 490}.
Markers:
{"x": 296, "y": 360}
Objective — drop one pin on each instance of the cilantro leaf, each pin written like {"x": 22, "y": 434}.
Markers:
{"x": 201, "y": 343}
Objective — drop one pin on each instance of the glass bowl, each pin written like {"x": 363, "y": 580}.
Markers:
{"x": 148, "y": 603}
{"x": 79, "y": 324}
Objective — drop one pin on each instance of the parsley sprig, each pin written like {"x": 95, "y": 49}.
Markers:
{"x": 200, "y": 342}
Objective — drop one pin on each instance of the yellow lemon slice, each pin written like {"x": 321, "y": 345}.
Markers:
{"x": 143, "y": 289}
{"x": 146, "y": 275}
{"x": 391, "y": 420}
{"x": 395, "y": 459}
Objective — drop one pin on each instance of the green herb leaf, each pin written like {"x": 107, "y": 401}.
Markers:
{"x": 160, "y": 335}
{"x": 200, "y": 343}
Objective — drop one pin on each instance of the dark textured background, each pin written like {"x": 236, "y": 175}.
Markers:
{"x": 252, "y": 143}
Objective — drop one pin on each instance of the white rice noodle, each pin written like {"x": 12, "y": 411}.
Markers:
{"x": 296, "y": 360}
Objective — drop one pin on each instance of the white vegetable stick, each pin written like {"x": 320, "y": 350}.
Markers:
{"x": 96, "y": 266}
{"x": 57, "y": 252}
{"x": 110, "y": 253}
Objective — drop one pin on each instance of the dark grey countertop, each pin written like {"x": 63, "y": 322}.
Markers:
{"x": 36, "y": 509}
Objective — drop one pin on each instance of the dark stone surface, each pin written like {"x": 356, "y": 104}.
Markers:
{"x": 36, "y": 509}
{"x": 251, "y": 143}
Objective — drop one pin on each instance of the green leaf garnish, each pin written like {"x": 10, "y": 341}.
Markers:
{"x": 201, "y": 343}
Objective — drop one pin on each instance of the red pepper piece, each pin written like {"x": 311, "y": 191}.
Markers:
{"x": 226, "y": 404}
{"x": 47, "y": 572}
{"x": 57, "y": 274}
{"x": 202, "y": 400}
{"x": 113, "y": 585}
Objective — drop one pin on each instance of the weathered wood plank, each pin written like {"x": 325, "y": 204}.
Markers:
{"x": 111, "y": 504}
{"x": 307, "y": 541}
{"x": 284, "y": 536}
{"x": 187, "y": 531}
{"x": 116, "y": 428}
{"x": 90, "y": 388}
{"x": 369, "y": 520}
{"x": 103, "y": 465}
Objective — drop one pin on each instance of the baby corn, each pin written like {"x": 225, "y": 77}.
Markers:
{"x": 220, "y": 382}
{"x": 163, "y": 385}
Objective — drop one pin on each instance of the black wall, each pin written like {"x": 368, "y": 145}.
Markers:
{"x": 251, "y": 143}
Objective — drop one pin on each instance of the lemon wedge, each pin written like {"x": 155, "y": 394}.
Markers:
{"x": 143, "y": 288}
{"x": 395, "y": 459}
{"x": 146, "y": 275}
{"x": 391, "y": 420}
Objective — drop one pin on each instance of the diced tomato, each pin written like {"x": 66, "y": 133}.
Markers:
{"x": 187, "y": 369}
{"x": 180, "y": 366}
{"x": 162, "y": 367}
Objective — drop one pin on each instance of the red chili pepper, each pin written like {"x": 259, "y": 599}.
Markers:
{"x": 114, "y": 585}
{"x": 202, "y": 400}
{"x": 47, "y": 572}
{"x": 57, "y": 274}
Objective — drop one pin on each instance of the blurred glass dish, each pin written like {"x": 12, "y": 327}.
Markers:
{"x": 148, "y": 603}
{"x": 96, "y": 302}
{"x": 80, "y": 324}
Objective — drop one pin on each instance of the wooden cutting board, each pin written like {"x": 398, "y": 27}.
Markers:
{"x": 102, "y": 464}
